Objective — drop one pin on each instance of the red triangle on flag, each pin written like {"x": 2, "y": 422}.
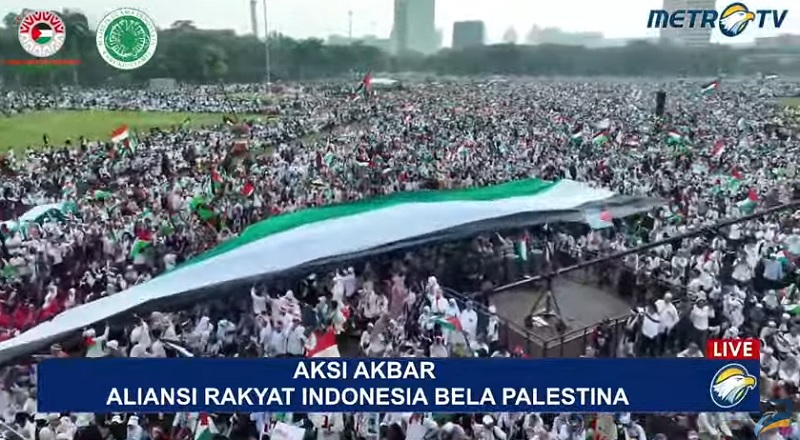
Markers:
{"x": 248, "y": 189}
{"x": 752, "y": 195}
{"x": 325, "y": 342}
{"x": 455, "y": 322}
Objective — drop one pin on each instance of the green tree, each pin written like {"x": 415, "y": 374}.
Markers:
{"x": 190, "y": 54}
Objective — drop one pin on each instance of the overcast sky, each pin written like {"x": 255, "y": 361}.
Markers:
{"x": 320, "y": 18}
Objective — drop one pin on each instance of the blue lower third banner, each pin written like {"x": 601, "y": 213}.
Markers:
{"x": 397, "y": 385}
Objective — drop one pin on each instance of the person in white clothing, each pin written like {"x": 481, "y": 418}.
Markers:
{"x": 651, "y": 329}
{"x": 372, "y": 303}
{"x": 260, "y": 303}
{"x": 439, "y": 304}
{"x": 493, "y": 329}
{"x": 692, "y": 351}
{"x": 296, "y": 340}
{"x": 700, "y": 315}
{"x": 488, "y": 430}
{"x": 668, "y": 318}
{"x": 48, "y": 432}
{"x": 469, "y": 321}
{"x": 277, "y": 344}
{"x": 96, "y": 343}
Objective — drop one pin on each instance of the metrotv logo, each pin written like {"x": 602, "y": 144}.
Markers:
{"x": 731, "y": 20}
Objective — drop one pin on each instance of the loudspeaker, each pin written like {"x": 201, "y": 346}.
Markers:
{"x": 661, "y": 102}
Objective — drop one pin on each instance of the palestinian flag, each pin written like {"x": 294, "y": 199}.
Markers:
{"x": 364, "y": 88}
{"x": 199, "y": 205}
{"x": 600, "y": 138}
{"x": 748, "y": 205}
{"x": 101, "y": 195}
{"x": 139, "y": 246}
{"x": 674, "y": 137}
{"x": 42, "y": 33}
{"x": 451, "y": 323}
{"x": 577, "y": 134}
{"x": 710, "y": 88}
{"x": 322, "y": 344}
{"x": 203, "y": 430}
{"x": 784, "y": 258}
{"x": 248, "y": 189}
{"x": 215, "y": 182}
{"x": 792, "y": 309}
{"x": 124, "y": 141}
{"x": 719, "y": 149}
{"x": 120, "y": 134}
{"x": 599, "y": 219}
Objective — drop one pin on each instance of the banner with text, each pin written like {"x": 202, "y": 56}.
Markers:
{"x": 398, "y": 385}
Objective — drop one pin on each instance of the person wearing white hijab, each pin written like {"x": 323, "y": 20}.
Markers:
{"x": 48, "y": 432}
{"x": 141, "y": 333}
{"x": 789, "y": 371}
{"x": 493, "y": 328}
{"x": 96, "y": 343}
{"x": 469, "y": 321}
{"x": 66, "y": 427}
{"x": 296, "y": 340}
{"x": 439, "y": 304}
{"x": 438, "y": 349}
{"x": 202, "y": 333}
{"x": 260, "y": 302}
{"x": 135, "y": 431}
{"x": 488, "y": 430}
{"x": 371, "y": 305}
{"x": 350, "y": 282}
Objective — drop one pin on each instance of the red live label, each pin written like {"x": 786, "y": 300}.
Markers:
{"x": 734, "y": 349}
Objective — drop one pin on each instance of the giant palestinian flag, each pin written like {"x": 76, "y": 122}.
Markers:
{"x": 317, "y": 236}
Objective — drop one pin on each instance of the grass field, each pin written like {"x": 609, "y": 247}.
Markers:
{"x": 791, "y": 102}
{"x": 22, "y": 131}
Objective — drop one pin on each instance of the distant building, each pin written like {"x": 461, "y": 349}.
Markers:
{"x": 468, "y": 34}
{"x": 400, "y": 26}
{"x": 510, "y": 36}
{"x": 687, "y": 36}
{"x": 414, "y": 27}
{"x": 539, "y": 35}
{"x": 780, "y": 41}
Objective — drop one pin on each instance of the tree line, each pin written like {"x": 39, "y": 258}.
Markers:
{"x": 190, "y": 54}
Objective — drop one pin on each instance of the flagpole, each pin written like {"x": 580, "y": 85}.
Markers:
{"x": 266, "y": 48}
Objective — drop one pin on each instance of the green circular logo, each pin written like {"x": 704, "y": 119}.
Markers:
{"x": 126, "y": 38}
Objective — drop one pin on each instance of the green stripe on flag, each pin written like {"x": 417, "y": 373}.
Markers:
{"x": 139, "y": 246}
{"x": 285, "y": 222}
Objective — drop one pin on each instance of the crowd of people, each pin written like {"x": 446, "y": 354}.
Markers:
{"x": 126, "y": 212}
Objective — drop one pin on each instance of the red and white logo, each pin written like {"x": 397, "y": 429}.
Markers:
{"x": 41, "y": 33}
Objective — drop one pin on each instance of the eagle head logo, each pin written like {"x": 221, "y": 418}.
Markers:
{"x": 730, "y": 385}
{"x": 734, "y": 19}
